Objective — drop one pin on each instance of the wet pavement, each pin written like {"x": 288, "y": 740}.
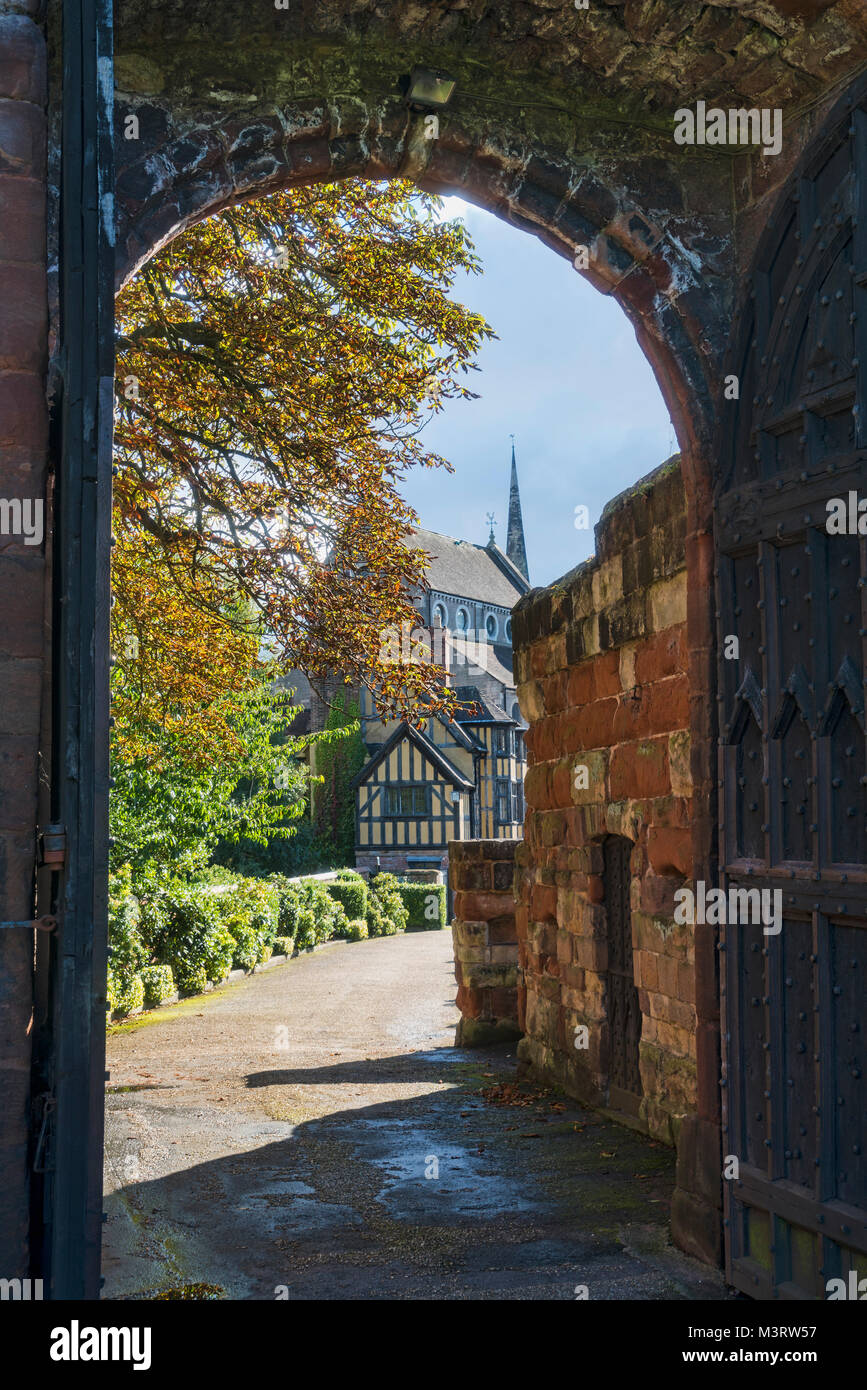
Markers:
{"x": 312, "y": 1133}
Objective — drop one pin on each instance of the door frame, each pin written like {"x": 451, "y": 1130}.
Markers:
{"x": 69, "y": 1083}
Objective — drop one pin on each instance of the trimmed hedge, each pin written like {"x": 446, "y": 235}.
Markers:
{"x": 125, "y": 994}
{"x": 182, "y": 935}
{"x": 158, "y": 983}
{"x": 289, "y": 906}
{"x": 425, "y": 904}
{"x": 251, "y": 913}
{"x": 386, "y": 914}
{"x": 194, "y": 940}
{"x": 352, "y": 896}
{"x": 329, "y": 916}
{"x": 308, "y": 912}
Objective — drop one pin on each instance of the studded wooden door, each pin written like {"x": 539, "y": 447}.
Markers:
{"x": 624, "y": 1014}
{"x": 792, "y": 614}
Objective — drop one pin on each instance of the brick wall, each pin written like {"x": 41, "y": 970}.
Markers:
{"x": 402, "y": 862}
{"x": 485, "y": 939}
{"x": 601, "y": 661}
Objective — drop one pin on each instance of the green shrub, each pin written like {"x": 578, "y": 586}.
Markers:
{"x": 250, "y": 912}
{"x": 357, "y": 930}
{"x": 158, "y": 983}
{"x": 190, "y": 979}
{"x": 283, "y": 945}
{"x": 128, "y": 952}
{"x": 216, "y": 874}
{"x": 154, "y": 919}
{"x": 350, "y": 876}
{"x": 425, "y": 903}
{"x": 327, "y": 914}
{"x": 125, "y": 993}
{"x": 247, "y": 945}
{"x": 376, "y": 923}
{"x": 305, "y": 936}
{"x": 307, "y": 911}
{"x": 254, "y": 902}
{"x": 219, "y": 954}
{"x": 289, "y": 904}
{"x": 340, "y": 922}
{"x": 189, "y": 934}
{"x": 351, "y": 894}
{"x": 386, "y": 914}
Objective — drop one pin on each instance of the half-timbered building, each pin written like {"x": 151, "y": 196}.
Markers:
{"x": 459, "y": 778}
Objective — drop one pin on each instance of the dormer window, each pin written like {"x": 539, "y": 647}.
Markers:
{"x": 439, "y": 615}
{"x": 462, "y": 620}
{"x": 492, "y": 627}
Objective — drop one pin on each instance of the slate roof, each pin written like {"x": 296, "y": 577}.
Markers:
{"x": 480, "y": 710}
{"x": 496, "y": 661}
{"x": 475, "y": 572}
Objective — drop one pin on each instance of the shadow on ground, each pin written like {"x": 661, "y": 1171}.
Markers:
{"x": 449, "y": 1194}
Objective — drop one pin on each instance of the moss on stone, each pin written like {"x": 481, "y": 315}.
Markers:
{"x": 479, "y": 1032}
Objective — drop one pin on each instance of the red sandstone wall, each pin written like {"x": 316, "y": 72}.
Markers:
{"x": 601, "y": 661}
{"x": 482, "y": 874}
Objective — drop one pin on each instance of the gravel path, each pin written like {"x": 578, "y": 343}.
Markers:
{"x": 312, "y": 1133}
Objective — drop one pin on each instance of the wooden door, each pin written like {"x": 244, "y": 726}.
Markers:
{"x": 624, "y": 1014}
{"x": 792, "y": 614}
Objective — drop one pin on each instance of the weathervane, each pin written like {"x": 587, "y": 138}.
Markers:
{"x": 491, "y": 520}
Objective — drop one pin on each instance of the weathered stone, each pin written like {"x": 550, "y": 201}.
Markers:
{"x": 23, "y": 72}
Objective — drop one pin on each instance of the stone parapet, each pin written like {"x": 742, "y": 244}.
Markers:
{"x": 485, "y": 940}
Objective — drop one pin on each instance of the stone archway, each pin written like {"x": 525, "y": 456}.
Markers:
{"x": 658, "y": 227}
{"x": 562, "y": 125}
{"x": 677, "y": 302}
{"x": 178, "y": 172}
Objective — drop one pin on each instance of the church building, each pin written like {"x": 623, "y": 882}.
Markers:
{"x": 460, "y": 778}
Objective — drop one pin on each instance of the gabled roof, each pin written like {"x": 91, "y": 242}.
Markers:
{"x": 425, "y": 747}
{"x": 477, "y": 709}
{"x": 474, "y": 572}
{"x": 467, "y": 741}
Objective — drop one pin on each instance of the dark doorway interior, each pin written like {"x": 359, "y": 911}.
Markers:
{"x": 624, "y": 1014}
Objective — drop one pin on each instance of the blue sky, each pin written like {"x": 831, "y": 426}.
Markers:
{"x": 567, "y": 378}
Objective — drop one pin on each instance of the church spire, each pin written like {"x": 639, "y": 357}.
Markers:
{"x": 515, "y": 548}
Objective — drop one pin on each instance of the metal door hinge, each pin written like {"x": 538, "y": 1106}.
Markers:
{"x": 52, "y": 845}
{"x": 46, "y": 923}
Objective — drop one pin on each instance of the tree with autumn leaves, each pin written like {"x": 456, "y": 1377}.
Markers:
{"x": 276, "y": 365}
